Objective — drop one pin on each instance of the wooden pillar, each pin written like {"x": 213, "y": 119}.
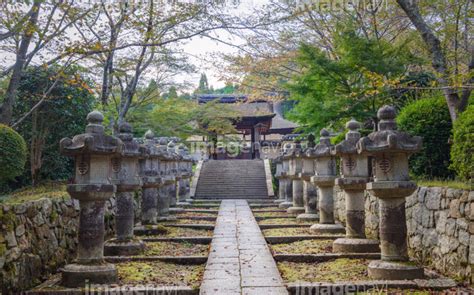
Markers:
{"x": 252, "y": 139}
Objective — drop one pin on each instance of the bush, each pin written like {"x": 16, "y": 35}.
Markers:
{"x": 462, "y": 152}
{"x": 429, "y": 118}
{"x": 12, "y": 153}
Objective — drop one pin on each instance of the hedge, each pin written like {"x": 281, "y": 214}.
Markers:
{"x": 13, "y": 153}
{"x": 462, "y": 151}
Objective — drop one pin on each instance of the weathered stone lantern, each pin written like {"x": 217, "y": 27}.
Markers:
{"x": 285, "y": 180}
{"x": 125, "y": 175}
{"x": 151, "y": 179}
{"x": 175, "y": 158}
{"x": 325, "y": 167}
{"x": 185, "y": 176}
{"x": 164, "y": 191}
{"x": 310, "y": 197}
{"x": 355, "y": 175}
{"x": 296, "y": 166}
{"x": 92, "y": 152}
{"x": 391, "y": 149}
{"x": 278, "y": 175}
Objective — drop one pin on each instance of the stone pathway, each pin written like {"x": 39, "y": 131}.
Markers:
{"x": 240, "y": 261}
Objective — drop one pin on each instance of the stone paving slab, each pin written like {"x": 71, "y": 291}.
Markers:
{"x": 239, "y": 261}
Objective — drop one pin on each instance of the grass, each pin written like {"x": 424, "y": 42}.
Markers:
{"x": 175, "y": 249}
{"x": 282, "y": 221}
{"x": 160, "y": 273}
{"x": 173, "y": 232}
{"x": 338, "y": 270}
{"x": 53, "y": 190}
{"x": 446, "y": 183}
{"x": 384, "y": 291}
{"x": 272, "y": 214}
{"x": 190, "y": 221}
{"x": 303, "y": 247}
{"x": 196, "y": 214}
{"x": 283, "y": 232}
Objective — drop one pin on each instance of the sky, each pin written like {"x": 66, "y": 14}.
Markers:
{"x": 199, "y": 49}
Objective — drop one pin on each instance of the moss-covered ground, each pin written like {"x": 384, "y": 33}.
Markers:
{"x": 173, "y": 232}
{"x": 160, "y": 273}
{"x": 272, "y": 214}
{"x": 342, "y": 269}
{"x": 175, "y": 249}
{"x": 282, "y": 221}
{"x": 303, "y": 247}
{"x": 190, "y": 221}
{"x": 290, "y": 231}
{"x": 53, "y": 190}
{"x": 195, "y": 214}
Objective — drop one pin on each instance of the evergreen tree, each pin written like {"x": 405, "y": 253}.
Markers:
{"x": 203, "y": 87}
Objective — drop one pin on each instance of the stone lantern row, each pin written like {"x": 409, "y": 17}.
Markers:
{"x": 301, "y": 171}
{"x": 106, "y": 166}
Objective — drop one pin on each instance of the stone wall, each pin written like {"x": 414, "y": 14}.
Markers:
{"x": 440, "y": 224}
{"x": 38, "y": 237}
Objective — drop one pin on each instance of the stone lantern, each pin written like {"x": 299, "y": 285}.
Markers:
{"x": 175, "y": 158}
{"x": 325, "y": 167}
{"x": 391, "y": 149}
{"x": 278, "y": 175}
{"x": 151, "y": 179}
{"x": 355, "y": 175}
{"x": 164, "y": 191}
{"x": 285, "y": 180}
{"x": 296, "y": 166}
{"x": 125, "y": 175}
{"x": 185, "y": 175}
{"x": 92, "y": 152}
{"x": 309, "y": 190}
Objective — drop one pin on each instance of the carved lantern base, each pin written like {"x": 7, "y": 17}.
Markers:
{"x": 327, "y": 228}
{"x": 393, "y": 270}
{"x": 117, "y": 247}
{"x": 352, "y": 245}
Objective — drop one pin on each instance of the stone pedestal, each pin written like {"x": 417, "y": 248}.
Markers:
{"x": 390, "y": 149}
{"x": 288, "y": 192}
{"x": 151, "y": 180}
{"x": 325, "y": 167}
{"x": 354, "y": 176}
{"x": 296, "y": 167}
{"x": 310, "y": 198}
{"x": 93, "y": 152}
{"x": 278, "y": 176}
{"x": 285, "y": 181}
{"x": 185, "y": 167}
{"x": 309, "y": 190}
{"x": 125, "y": 174}
{"x": 165, "y": 191}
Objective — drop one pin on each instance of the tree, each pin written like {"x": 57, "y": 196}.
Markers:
{"x": 32, "y": 35}
{"x": 457, "y": 98}
{"x": 203, "y": 87}
{"x": 61, "y": 115}
{"x": 329, "y": 91}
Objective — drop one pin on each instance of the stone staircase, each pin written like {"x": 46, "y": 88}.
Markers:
{"x": 232, "y": 179}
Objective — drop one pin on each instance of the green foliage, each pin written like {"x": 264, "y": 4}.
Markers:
{"x": 12, "y": 153}
{"x": 462, "y": 151}
{"x": 428, "y": 118}
{"x": 203, "y": 87}
{"x": 329, "y": 91}
{"x": 61, "y": 115}
{"x": 183, "y": 118}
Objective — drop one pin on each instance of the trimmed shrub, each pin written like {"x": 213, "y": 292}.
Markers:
{"x": 462, "y": 151}
{"x": 428, "y": 118}
{"x": 12, "y": 153}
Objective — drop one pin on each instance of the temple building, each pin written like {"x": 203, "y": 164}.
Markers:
{"x": 260, "y": 125}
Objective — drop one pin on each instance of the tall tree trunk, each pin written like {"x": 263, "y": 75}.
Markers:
{"x": 6, "y": 109}
{"x": 456, "y": 104}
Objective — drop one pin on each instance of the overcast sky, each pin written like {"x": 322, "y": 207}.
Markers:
{"x": 200, "y": 49}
